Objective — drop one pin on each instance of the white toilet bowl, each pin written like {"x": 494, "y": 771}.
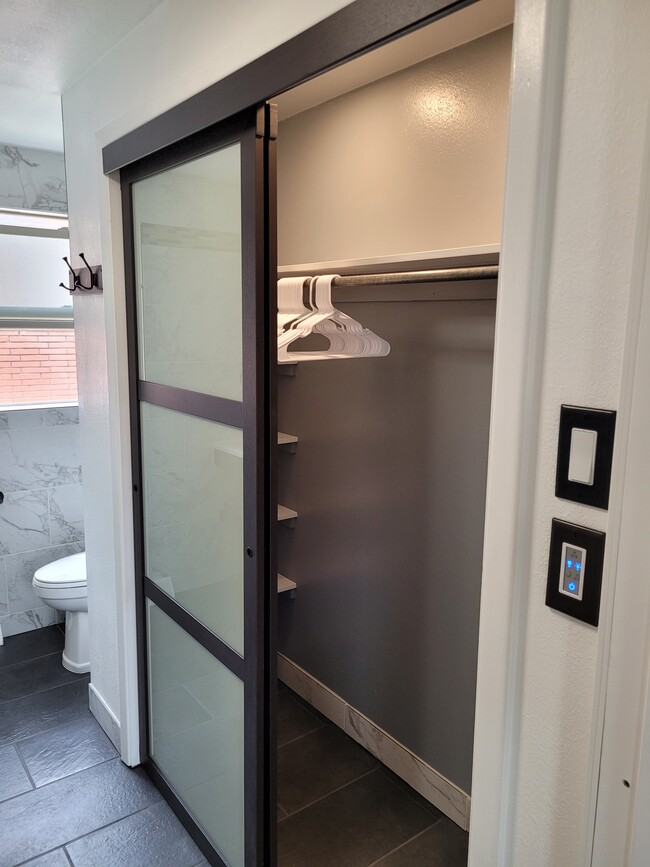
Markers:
{"x": 62, "y": 584}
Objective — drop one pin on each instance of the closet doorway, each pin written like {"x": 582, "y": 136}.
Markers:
{"x": 394, "y": 183}
{"x": 360, "y": 675}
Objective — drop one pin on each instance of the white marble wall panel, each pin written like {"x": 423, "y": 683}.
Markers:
{"x": 3, "y": 587}
{"x": 38, "y": 457}
{"x": 32, "y": 179}
{"x": 41, "y": 519}
{"x": 24, "y": 521}
{"x": 66, "y": 514}
{"x": 35, "y": 618}
{"x": 20, "y": 570}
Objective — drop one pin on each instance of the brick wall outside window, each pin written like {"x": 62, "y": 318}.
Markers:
{"x": 37, "y": 365}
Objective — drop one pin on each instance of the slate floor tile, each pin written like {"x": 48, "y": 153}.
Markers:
{"x": 81, "y": 804}
{"x": 31, "y": 645}
{"x": 317, "y": 764}
{"x": 35, "y": 675}
{"x": 23, "y": 717}
{"x": 444, "y": 845}
{"x": 57, "y": 858}
{"x": 294, "y": 720}
{"x": 427, "y": 805}
{"x": 65, "y": 750}
{"x": 13, "y": 778}
{"x": 352, "y": 827}
{"x": 151, "y": 838}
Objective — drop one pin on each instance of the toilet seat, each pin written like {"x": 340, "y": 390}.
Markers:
{"x": 69, "y": 573}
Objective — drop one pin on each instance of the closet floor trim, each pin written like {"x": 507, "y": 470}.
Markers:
{"x": 437, "y": 789}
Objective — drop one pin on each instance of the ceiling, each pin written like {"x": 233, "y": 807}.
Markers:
{"x": 45, "y": 46}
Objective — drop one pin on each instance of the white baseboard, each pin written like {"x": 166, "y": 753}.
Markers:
{"x": 438, "y": 790}
{"x": 104, "y": 716}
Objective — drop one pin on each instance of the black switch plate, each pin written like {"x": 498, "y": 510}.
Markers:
{"x": 587, "y": 608}
{"x": 603, "y": 421}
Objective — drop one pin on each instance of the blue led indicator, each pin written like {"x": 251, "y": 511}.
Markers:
{"x": 578, "y": 567}
{"x": 572, "y": 586}
{"x": 569, "y": 563}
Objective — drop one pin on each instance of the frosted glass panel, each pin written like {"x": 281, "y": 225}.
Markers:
{"x": 193, "y": 516}
{"x": 187, "y": 225}
{"x": 196, "y": 731}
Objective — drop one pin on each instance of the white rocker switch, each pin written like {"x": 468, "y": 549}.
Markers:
{"x": 582, "y": 456}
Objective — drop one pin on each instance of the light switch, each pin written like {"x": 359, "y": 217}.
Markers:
{"x": 575, "y": 570}
{"x": 572, "y": 570}
{"x": 582, "y": 457}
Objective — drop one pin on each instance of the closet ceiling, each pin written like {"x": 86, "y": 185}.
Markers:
{"x": 463, "y": 26}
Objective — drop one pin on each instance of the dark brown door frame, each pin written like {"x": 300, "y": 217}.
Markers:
{"x": 254, "y": 130}
{"x": 349, "y": 33}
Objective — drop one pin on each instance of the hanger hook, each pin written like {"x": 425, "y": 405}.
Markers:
{"x": 67, "y": 288}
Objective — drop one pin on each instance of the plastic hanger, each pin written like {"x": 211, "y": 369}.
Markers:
{"x": 290, "y": 301}
{"x": 347, "y": 337}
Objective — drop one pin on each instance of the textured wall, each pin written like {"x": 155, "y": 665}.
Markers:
{"x": 597, "y": 188}
{"x": 41, "y": 518}
{"x": 415, "y": 161}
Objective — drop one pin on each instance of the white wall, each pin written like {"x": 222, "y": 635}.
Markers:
{"x": 172, "y": 55}
{"x": 601, "y": 149}
{"x": 351, "y": 185}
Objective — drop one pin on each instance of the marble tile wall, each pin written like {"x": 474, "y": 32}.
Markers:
{"x": 41, "y": 518}
{"x": 32, "y": 179}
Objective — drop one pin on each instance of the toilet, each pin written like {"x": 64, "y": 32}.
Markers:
{"x": 62, "y": 584}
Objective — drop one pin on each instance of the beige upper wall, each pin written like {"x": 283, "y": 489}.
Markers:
{"x": 412, "y": 162}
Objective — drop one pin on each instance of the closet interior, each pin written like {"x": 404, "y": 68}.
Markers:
{"x": 390, "y": 176}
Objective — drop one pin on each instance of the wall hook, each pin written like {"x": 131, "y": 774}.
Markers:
{"x": 73, "y": 276}
{"x": 76, "y": 275}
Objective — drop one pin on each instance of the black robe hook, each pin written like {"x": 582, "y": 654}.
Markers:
{"x": 72, "y": 274}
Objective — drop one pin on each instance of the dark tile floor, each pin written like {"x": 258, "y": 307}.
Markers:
{"x": 339, "y": 807}
{"x": 65, "y": 796}
{"x": 67, "y": 799}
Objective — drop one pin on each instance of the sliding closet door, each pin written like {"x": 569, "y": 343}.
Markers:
{"x": 202, "y": 311}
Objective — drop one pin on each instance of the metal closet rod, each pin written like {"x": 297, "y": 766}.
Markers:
{"x": 440, "y": 275}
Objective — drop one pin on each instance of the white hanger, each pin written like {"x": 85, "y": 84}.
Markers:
{"x": 347, "y": 337}
{"x": 290, "y": 301}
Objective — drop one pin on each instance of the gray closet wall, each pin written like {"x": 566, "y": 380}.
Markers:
{"x": 389, "y": 474}
{"x": 388, "y": 480}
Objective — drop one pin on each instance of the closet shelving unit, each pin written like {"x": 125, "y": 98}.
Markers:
{"x": 287, "y": 442}
{"x": 467, "y": 273}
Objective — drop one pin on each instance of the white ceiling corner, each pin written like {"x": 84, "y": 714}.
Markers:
{"x": 45, "y": 46}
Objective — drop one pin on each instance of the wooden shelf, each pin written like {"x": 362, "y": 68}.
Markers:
{"x": 286, "y": 514}
{"x": 235, "y": 447}
{"x": 287, "y": 442}
{"x": 286, "y": 585}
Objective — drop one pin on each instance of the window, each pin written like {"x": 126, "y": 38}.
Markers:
{"x": 37, "y": 341}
